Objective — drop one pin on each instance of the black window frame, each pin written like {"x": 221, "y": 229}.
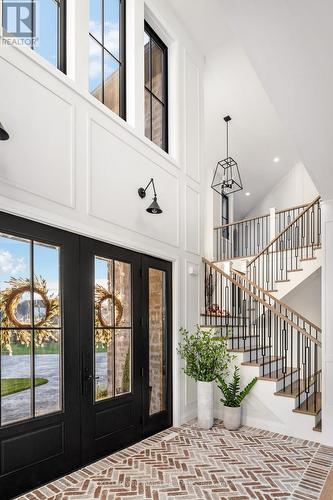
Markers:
{"x": 61, "y": 34}
{"x": 121, "y": 60}
{"x": 165, "y": 79}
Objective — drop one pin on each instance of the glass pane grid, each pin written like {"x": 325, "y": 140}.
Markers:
{"x": 105, "y": 65}
{"x": 113, "y": 329}
{"x": 155, "y": 90}
{"x": 44, "y": 30}
{"x": 30, "y": 330}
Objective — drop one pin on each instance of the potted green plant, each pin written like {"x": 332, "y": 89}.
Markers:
{"x": 206, "y": 359}
{"x": 233, "y": 397}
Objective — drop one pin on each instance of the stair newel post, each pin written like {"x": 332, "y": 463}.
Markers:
{"x": 215, "y": 296}
{"x": 205, "y": 293}
{"x": 276, "y": 336}
{"x": 222, "y": 306}
{"x": 291, "y": 357}
{"x": 269, "y": 320}
{"x": 312, "y": 231}
{"x": 315, "y": 376}
{"x": 298, "y": 369}
{"x": 319, "y": 223}
{"x": 232, "y": 310}
{"x": 307, "y": 234}
{"x": 302, "y": 237}
{"x": 285, "y": 354}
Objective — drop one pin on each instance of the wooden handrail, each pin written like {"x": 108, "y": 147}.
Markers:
{"x": 292, "y": 208}
{"x": 284, "y": 230}
{"x": 260, "y": 216}
{"x": 241, "y": 221}
{"x": 277, "y": 301}
{"x": 263, "y": 302}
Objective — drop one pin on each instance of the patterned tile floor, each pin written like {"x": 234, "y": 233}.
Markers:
{"x": 190, "y": 463}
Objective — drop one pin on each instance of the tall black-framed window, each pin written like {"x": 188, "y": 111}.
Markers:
{"x": 225, "y": 215}
{"x": 43, "y": 27}
{"x": 107, "y": 48}
{"x": 156, "y": 88}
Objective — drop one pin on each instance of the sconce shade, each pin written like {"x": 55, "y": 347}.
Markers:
{"x": 227, "y": 179}
{"x": 4, "y": 136}
{"x": 154, "y": 208}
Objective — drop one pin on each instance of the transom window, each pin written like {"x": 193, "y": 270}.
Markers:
{"x": 107, "y": 54}
{"x": 40, "y": 25}
{"x": 156, "y": 88}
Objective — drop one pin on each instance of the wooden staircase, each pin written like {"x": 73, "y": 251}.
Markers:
{"x": 282, "y": 346}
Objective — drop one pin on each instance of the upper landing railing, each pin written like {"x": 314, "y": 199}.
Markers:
{"x": 248, "y": 237}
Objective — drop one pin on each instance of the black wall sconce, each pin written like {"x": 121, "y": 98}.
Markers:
{"x": 4, "y": 136}
{"x": 154, "y": 208}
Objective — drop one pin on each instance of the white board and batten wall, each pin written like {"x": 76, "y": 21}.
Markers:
{"x": 73, "y": 164}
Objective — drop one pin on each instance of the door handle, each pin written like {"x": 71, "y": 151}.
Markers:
{"x": 91, "y": 377}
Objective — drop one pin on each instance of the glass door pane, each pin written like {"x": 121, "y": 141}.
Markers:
{"x": 157, "y": 341}
{"x": 113, "y": 328}
{"x": 30, "y": 329}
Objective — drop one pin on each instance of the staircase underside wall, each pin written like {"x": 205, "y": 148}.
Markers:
{"x": 264, "y": 410}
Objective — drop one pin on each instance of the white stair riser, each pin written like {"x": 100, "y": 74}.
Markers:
{"x": 288, "y": 380}
{"x": 251, "y": 356}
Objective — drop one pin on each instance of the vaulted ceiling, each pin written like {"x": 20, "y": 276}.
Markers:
{"x": 239, "y": 81}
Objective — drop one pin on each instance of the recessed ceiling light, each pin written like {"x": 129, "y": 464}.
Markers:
{"x": 276, "y": 160}
{"x": 247, "y": 194}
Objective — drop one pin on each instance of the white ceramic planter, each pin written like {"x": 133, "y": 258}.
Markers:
{"x": 205, "y": 404}
{"x": 232, "y": 418}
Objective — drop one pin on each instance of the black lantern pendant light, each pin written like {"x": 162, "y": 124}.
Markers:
{"x": 4, "y": 136}
{"x": 227, "y": 179}
{"x": 154, "y": 208}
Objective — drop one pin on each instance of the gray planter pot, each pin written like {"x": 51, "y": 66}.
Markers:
{"x": 205, "y": 404}
{"x": 232, "y": 418}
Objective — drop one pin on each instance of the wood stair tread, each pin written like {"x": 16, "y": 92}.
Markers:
{"x": 263, "y": 361}
{"x": 277, "y": 375}
{"x": 318, "y": 427}
{"x": 293, "y": 390}
{"x": 310, "y": 407}
{"x": 244, "y": 349}
{"x": 281, "y": 281}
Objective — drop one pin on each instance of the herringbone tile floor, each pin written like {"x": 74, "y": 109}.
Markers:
{"x": 190, "y": 463}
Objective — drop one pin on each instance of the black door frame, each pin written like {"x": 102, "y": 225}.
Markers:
{"x": 107, "y": 425}
{"x": 42, "y": 470}
{"x": 39, "y": 470}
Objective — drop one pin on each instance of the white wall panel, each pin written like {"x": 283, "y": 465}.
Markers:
{"x": 39, "y": 158}
{"x": 192, "y": 220}
{"x": 192, "y": 120}
{"x": 192, "y": 311}
{"x": 116, "y": 171}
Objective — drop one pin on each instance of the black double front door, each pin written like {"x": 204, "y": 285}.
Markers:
{"x": 85, "y": 331}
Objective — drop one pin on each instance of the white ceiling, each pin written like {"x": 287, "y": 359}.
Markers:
{"x": 233, "y": 87}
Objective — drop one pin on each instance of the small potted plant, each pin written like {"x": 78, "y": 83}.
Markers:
{"x": 206, "y": 359}
{"x": 233, "y": 397}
